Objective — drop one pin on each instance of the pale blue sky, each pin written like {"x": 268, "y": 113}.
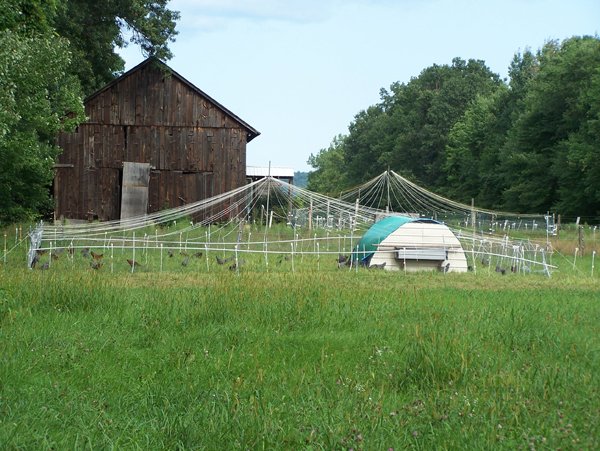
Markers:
{"x": 300, "y": 70}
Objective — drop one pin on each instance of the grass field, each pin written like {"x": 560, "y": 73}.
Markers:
{"x": 205, "y": 358}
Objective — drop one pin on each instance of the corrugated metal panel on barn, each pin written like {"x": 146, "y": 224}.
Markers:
{"x": 194, "y": 146}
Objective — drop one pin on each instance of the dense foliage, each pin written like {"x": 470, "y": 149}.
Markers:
{"x": 52, "y": 53}
{"x": 95, "y": 29}
{"x": 36, "y": 95}
{"x": 300, "y": 179}
{"x": 529, "y": 144}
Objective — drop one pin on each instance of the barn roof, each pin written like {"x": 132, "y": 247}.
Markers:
{"x": 274, "y": 171}
{"x": 252, "y": 132}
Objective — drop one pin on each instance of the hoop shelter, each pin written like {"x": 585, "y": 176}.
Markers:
{"x": 411, "y": 244}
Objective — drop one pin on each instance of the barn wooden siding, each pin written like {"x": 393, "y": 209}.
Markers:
{"x": 196, "y": 148}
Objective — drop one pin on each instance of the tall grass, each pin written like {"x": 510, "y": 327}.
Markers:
{"x": 209, "y": 359}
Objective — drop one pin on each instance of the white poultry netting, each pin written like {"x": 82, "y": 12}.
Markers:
{"x": 270, "y": 216}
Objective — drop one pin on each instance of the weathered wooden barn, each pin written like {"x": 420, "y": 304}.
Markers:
{"x": 152, "y": 141}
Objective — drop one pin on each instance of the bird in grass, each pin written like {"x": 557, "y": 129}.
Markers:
{"x": 342, "y": 258}
{"x": 222, "y": 261}
{"x": 500, "y": 270}
{"x": 283, "y": 258}
{"x": 379, "y": 266}
{"x": 237, "y": 266}
{"x": 56, "y": 253}
{"x": 184, "y": 253}
{"x": 96, "y": 256}
{"x": 170, "y": 253}
{"x": 96, "y": 264}
{"x": 185, "y": 261}
{"x": 198, "y": 255}
{"x": 133, "y": 263}
{"x": 85, "y": 252}
{"x": 485, "y": 261}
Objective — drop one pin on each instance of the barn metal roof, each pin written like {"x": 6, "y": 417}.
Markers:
{"x": 252, "y": 132}
{"x": 263, "y": 171}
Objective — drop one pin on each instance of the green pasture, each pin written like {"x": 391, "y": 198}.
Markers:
{"x": 204, "y": 357}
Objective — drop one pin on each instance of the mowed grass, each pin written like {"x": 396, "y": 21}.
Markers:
{"x": 304, "y": 360}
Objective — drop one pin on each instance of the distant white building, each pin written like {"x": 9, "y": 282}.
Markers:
{"x": 254, "y": 173}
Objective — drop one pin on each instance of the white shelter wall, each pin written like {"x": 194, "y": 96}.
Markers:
{"x": 420, "y": 235}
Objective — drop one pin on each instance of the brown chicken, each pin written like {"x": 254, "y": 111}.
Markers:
{"x": 133, "y": 263}
{"x": 96, "y": 256}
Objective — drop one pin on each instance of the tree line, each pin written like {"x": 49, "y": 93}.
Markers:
{"x": 529, "y": 144}
{"x": 53, "y": 53}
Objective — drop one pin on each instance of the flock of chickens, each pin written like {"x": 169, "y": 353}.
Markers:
{"x": 96, "y": 260}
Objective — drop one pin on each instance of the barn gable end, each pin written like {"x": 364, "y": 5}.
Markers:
{"x": 196, "y": 148}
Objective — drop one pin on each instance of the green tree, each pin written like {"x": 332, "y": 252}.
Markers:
{"x": 577, "y": 163}
{"x": 367, "y": 145}
{"x": 476, "y": 142}
{"x": 95, "y": 29}
{"x": 300, "y": 179}
{"x": 552, "y": 151}
{"x": 328, "y": 176}
{"x": 408, "y": 130}
{"x": 38, "y": 98}
{"x": 29, "y": 15}
{"x": 470, "y": 140}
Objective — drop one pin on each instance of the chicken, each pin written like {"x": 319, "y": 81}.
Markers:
{"x": 342, "y": 258}
{"x": 237, "y": 266}
{"x": 96, "y": 256}
{"x": 283, "y": 258}
{"x": 133, "y": 263}
{"x": 96, "y": 264}
{"x": 222, "y": 261}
